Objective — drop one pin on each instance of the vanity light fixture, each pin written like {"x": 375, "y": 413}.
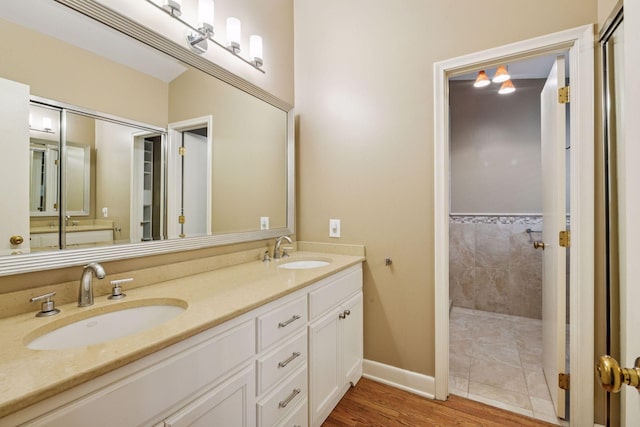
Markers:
{"x": 234, "y": 34}
{"x": 198, "y": 38}
{"x": 255, "y": 50}
{"x": 482, "y": 80}
{"x": 501, "y": 75}
{"x": 507, "y": 87}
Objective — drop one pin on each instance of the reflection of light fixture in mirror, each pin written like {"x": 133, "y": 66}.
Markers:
{"x": 507, "y": 87}
{"x": 47, "y": 125}
{"x": 255, "y": 50}
{"x": 501, "y": 75}
{"x": 234, "y": 34}
{"x": 482, "y": 80}
{"x": 174, "y": 7}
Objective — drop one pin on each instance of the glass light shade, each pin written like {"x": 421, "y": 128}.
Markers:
{"x": 255, "y": 49}
{"x": 173, "y": 6}
{"x": 234, "y": 33}
{"x": 507, "y": 87}
{"x": 47, "y": 123}
{"x": 482, "y": 80}
{"x": 502, "y": 75}
{"x": 205, "y": 15}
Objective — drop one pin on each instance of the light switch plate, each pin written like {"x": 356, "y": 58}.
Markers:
{"x": 334, "y": 228}
{"x": 264, "y": 223}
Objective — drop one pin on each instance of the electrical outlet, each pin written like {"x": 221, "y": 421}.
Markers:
{"x": 334, "y": 228}
{"x": 264, "y": 223}
{"x": 105, "y": 212}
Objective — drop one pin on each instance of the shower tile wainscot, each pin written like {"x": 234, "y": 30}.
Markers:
{"x": 493, "y": 265}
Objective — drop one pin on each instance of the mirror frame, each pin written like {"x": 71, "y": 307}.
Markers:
{"x": 17, "y": 264}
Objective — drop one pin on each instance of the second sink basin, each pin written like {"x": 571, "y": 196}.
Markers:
{"x": 101, "y": 327}
{"x": 303, "y": 264}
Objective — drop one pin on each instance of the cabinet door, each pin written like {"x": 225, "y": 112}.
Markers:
{"x": 325, "y": 380}
{"x": 228, "y": 405}
{"x": 352, "y": 340}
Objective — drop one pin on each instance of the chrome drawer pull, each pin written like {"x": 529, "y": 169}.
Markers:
{"x": 289, "y": 360}
{"x": 284, "y": 403}
{"x": 286, "y": 322}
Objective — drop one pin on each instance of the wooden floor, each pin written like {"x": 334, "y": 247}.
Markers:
{"x": 374, "y": 404}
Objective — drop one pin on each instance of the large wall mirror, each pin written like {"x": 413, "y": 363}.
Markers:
{"x": 120, "y": 150}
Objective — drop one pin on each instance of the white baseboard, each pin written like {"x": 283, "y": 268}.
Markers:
{"x": 413, "y": 382}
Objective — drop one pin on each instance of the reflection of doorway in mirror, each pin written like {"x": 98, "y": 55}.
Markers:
{"x": 194, "y": 179}
{"x": 147, "y": 179}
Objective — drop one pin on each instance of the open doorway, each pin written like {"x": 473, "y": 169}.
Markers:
{"x": 579, "y": 43}
{"x": 508, "y": 294}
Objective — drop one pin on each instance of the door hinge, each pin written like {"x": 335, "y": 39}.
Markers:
{"x": 563, "y": 95}
{"x": 564, "y": 238}
{"x": 55, "y": 162}
{"x": 564, "y": 381}
{"x": 181, "y": 219}
{"x": 182, "y": 151}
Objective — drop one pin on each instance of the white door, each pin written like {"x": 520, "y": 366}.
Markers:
{"x": 14, "y": 144}
{"x": 194, "y": 171}
{"x": 629, "y": 207}
{"x": 553, "y": 125}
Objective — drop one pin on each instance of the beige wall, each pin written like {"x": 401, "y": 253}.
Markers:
{"x": 495, "y": 148}
{"x": 59, "y": 71}
{"x": 249, "y": 165}
{"x": 364, "y": 95}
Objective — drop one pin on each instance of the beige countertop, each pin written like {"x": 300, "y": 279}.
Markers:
{"x": 213, "y": 297}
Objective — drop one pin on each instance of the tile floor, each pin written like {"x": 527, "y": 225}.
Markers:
{"x": 482, "y": 343}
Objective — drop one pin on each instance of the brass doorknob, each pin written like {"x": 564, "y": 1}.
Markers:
{"x": 16, "y": 240}
{"x": 612, "y": 376}
{"x": 539, "y": 245}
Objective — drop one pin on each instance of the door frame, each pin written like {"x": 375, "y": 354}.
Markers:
{"x": 579, "y": 42}
{"x": 174, "y": 189}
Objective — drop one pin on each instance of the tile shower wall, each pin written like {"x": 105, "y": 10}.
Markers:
{"x": 493, "y": 265}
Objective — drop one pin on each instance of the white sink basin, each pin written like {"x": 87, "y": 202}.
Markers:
{"x": 303, "y": 264}
{"x": 104, "y": 327}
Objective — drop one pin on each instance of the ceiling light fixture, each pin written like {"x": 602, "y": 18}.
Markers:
{"x": 501, "y": 75}
{"x": 198, "y": 38}
{"x": 507, "y": 87}
{"x": 482, "y": 80}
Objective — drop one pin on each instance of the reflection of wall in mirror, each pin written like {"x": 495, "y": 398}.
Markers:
{"x": 80, "y": 134}
{"x": 114, "y": 147}
{"x": 79, "y": 77}
{"x": 249, "y": 151}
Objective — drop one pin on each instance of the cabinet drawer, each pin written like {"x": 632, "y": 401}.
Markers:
{"x": 332, "y": 294}
{"x": 298, "y": 418}
{"x": 283, "y": 400}
{"x": 282, "y": 322}
{"x": 281, "y": 362}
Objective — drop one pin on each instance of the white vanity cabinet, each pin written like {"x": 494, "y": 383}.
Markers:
{"x": 335, "y": 342}
{"x": 284, "y": 364}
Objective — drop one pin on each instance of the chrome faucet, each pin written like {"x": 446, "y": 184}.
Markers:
{"x": 85, "y": 293}
{"x": 276, "y": 251}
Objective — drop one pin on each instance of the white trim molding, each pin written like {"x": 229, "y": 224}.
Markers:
{"x": 579, "y": 43}
{"x": 413, "y": 382}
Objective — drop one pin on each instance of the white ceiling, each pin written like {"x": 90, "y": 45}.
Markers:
{"x": 533, "y": 68}
{"x": 62, "y": 23}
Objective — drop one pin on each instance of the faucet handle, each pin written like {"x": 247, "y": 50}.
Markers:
{"x": 116, "y": 292}
{"x": 286, "y": 250}
{"x": 48, "y": 307}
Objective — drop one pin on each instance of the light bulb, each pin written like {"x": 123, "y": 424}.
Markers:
{"x": 507, "y": 87}
{"x": 234, "y": 34}
{"x": 502, "y": 75}
{"x": 482, "y": 80}
{"x": 255, "y": 50}
{"x": 205, "y": 15}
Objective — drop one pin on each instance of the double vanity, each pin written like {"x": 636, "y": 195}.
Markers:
{"x": 260, "y": 343}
